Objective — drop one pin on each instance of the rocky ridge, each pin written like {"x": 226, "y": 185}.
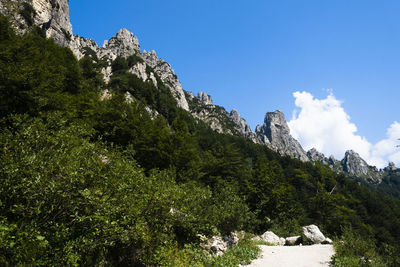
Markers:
{"x": 126, "y": 44}
{"x": 52, "y": 17}
{"x": 203, "y": 108}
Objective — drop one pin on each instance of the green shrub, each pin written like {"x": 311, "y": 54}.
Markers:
{"x": 355, "y": 250}
{"x": 28, "y": 13}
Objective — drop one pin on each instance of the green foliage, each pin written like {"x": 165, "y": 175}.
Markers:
{"x": 355, "y": 250}
{"x": 34, "y": 72}
{"x": 28, "y": 13}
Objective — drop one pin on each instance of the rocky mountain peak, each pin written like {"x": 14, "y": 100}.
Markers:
{"x": 124, "y": 43}
{"x": 205, "y": 98}
{"x": 315, "y": 155}
{"x": 242, "y": 126}
{"x": 354, "y": 164}
{"x": 276, "y": 118}
{"x": 391, "y": 167}
{"x": 275, "y": 133}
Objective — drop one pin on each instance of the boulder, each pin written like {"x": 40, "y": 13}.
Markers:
{"x": 231, "y": 240}
{"x": 217, "y": 245}
{"x": 272, "y": 238}
{"x": 293, "y": 241}
{"x": 327, "y": 241}
{"x": 312, "y": 234}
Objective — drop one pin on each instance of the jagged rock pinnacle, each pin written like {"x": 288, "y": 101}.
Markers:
{"x": 205, "y": 98}
{"x": 275, "y": 133}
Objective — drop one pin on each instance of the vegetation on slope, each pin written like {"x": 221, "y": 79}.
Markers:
{"x": 91, "y": 182}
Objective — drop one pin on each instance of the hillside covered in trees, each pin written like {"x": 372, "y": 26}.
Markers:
{"x": 128, "y": 178}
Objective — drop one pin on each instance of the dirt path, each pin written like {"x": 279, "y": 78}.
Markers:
{"x": 296, "y": 256}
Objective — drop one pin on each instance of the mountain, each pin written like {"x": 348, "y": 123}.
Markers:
{"x": 52, "y": 17}
{"x": 106, "y": 161}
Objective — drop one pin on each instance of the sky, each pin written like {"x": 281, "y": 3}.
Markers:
{"x": 332, "y": 66}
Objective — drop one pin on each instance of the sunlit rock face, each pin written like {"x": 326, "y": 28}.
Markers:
{"x": 275, "y": 134}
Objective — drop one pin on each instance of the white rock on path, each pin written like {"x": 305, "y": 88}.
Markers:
{"x": 273, "y": 239}
{"x": 313, "y": 234}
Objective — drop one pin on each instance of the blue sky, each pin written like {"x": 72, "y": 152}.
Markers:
{"x": 253, "y": 55}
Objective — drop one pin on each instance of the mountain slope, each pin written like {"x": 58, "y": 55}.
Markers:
{"x": 117, "y": 173}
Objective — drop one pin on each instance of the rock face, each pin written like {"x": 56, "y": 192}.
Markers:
{"x": 168, "y": 76}
{"x": 391, "y": 167}
{"x": 313, "y": 234}
{"x": 275, "y": 134}
{"x": 205, "y": 98}
{"x": 243, "y": 127}
{"x": 52, "y": 16}
{"x": 314, "y": 155}
{"x": 355, "y": 166}
{"x": 203, "y": 108}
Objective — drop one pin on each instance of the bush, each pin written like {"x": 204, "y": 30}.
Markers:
{"x": 354, "y": 250}
{"x": 28, "y": 13}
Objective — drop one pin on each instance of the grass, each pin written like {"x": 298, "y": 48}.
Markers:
{"x": 243, "y": 253}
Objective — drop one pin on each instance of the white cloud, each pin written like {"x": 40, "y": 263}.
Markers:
{"x": 324, "y": 125}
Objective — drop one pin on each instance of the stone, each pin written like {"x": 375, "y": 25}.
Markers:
{"x": 327, "y": 241}
{"x": 272, "y": 239}
{"x": 275, "y": 133}
{"x": 217, "y": 245}
{"x": 231, "y": 240}
{"x": 293, "y": 241}
{"x": 312, "y": 234}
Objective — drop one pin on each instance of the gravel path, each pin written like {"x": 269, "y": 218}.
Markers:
{"x": 296, "y": 256}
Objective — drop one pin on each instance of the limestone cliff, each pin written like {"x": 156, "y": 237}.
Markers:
{"x": 52, "y": 16}
{"x": 275, "y": 133}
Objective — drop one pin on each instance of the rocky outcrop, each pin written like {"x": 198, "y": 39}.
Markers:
{"x": 355, "y": 166}
{"x": 167, "y": 76}
{"x": 391, "y": 168}
{"x": 203, "y": 108}
{"x": 275, "y": 134}
{"x": 243, "y": 127}
{"x": 217, "y": 245}
{"x": 205, "y": 99}
{"x": 126, "y": 44}
{"x": 314, "y": 155}
{"x": 52, "y": 16}
{"x": 123, "y": 44}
